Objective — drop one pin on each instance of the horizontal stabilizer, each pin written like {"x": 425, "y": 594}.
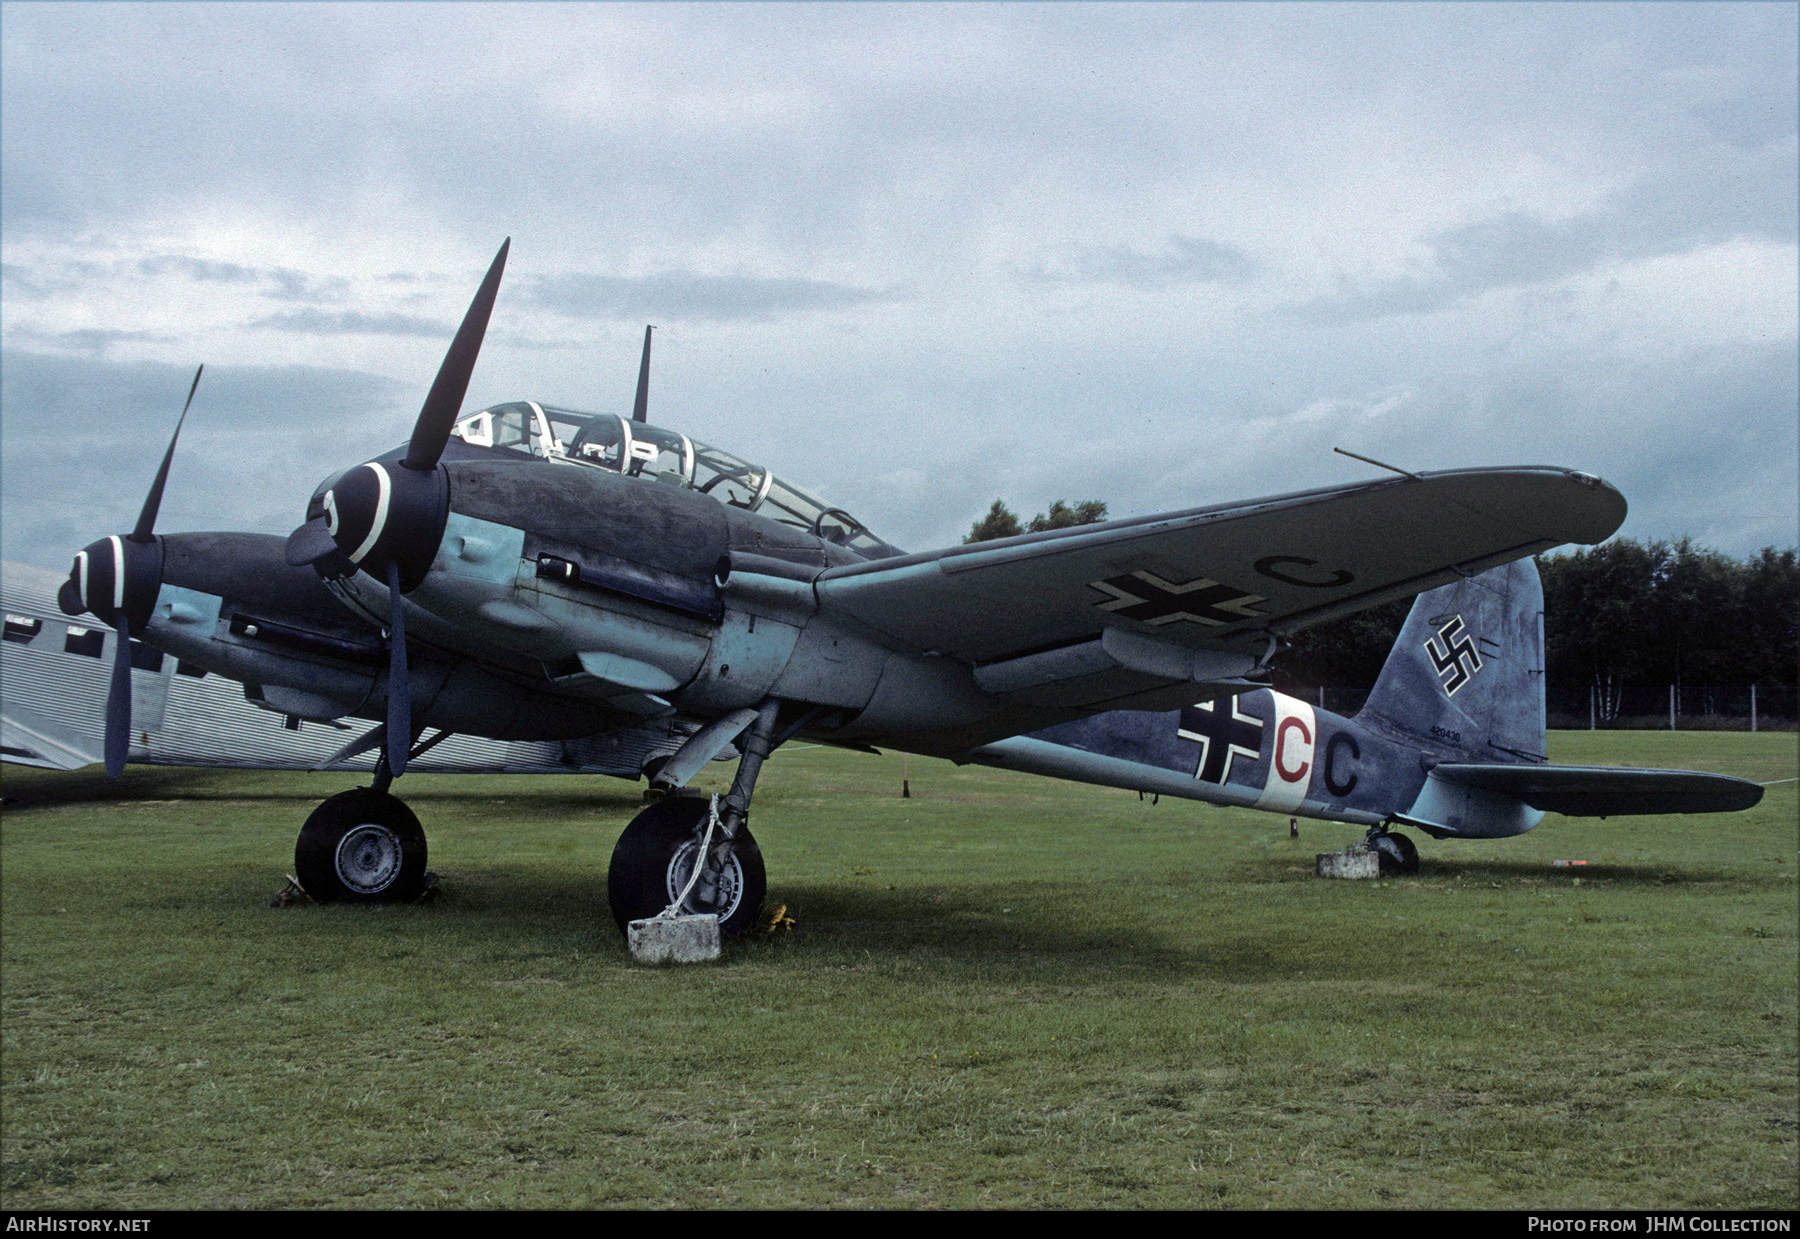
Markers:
{"x": 1606, "y": 791}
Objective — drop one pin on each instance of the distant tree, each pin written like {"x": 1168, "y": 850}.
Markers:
{"x": 1001, "y": 522}
{"x": 1770, "y": 636}
{"x": 1062, "y": 516}
{"x": 1622, "y": 614}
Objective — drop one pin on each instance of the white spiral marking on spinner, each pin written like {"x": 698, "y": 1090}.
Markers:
{"x": 381, "y": 513}
{"x": 118, "y": 547}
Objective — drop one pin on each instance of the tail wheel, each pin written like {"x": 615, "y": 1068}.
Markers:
{"x": 1397, "y": 854}
{"x": 655, "y": 857}
{"x": 361, "y": 846}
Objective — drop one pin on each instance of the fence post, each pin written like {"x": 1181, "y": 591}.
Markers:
{"x": 1671, "y": 707}
{"x": 1321, "y": 696}
{"x": 1590, "y": 707}
{"x": 1753, "y": 707}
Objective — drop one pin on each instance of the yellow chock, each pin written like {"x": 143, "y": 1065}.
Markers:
{"x": 779, "y": 919}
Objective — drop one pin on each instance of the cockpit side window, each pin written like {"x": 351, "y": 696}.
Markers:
{"x": 505, "y": 426}
{"x": 599, "y": 440}
{"x": 733, "y": 482}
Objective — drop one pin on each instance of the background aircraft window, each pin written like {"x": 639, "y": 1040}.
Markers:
{"x": 88, "y": 641}
{"x": 146, "y": 657}
{"x": 731, "y": 481}
{"x": 184, "y": 667}
{"x": 22, "y": 628}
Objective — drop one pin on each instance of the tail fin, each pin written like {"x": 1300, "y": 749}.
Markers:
{"x": 1466, "y": 677}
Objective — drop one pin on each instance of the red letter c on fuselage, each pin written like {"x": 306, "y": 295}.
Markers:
{"x": 1281, "y": 739}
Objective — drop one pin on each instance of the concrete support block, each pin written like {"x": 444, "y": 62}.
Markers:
{"x": 674, "y": 939}
{"x": 1359, "y": 860}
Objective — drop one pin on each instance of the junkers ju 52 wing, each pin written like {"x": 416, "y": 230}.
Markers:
{"x": 531, "y": 574}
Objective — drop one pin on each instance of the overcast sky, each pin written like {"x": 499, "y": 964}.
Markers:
{"x": 915, "y": 257}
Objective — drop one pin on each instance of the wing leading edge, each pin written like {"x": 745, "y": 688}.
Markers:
{"x": 1221, "y": 578}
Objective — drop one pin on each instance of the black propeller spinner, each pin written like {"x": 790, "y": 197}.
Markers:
{"x": 117, "y": 580}
{"x": 387, "y": 518}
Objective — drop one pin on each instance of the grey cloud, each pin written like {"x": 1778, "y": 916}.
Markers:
{"x": 1712, "y": 196}
{"x": 94, "y": 340}
{"x": 256, "y": 441}
{"x": 198, "y": 269}
{"x": 1183, "y": 260}
{"x": 317, "y": 322}
{"x": 684, "y": 295}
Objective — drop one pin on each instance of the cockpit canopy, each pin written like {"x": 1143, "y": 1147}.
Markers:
{"x": 637, "y": 449}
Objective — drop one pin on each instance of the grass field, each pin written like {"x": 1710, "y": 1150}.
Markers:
{"x": 1003, "y": 991}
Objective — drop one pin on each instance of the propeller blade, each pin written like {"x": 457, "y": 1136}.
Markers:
{"x": 438, "y": 416}
{"x": 118, "y": 704}
{"x": 643, "y": 393}
{"x": 147, "y": 518}
{"x": 399, "y": 719}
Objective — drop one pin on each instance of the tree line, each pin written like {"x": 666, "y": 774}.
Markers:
{"x": 1619, "y": 615}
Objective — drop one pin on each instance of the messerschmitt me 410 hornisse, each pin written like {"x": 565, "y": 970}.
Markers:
{"x": 530, "y": 573}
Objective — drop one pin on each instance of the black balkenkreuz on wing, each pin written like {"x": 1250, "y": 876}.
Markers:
{"x": 1456, "y": 660}
{"x": 1147, "y": 597}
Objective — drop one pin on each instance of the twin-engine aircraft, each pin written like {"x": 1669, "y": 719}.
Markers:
{"x": 547, "y": 588}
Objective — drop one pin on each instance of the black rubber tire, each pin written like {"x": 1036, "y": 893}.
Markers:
{"x": 650, "y": 865}
{"x": 361, "y": 846}
{"x": 1398, "y": 854}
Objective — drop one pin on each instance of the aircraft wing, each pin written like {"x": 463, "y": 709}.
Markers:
{"x": 1601, "y": 791}
{"x": 30, "y": 739}
{"x": 1217, "y": 580}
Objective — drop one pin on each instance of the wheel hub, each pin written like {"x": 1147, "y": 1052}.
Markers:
{"x": 369, "y": 858}
{"x": 719, "y": 889}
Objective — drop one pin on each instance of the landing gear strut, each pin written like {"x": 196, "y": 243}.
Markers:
{"x": 1397, "y": 853}
{"x": 656, "y": 855}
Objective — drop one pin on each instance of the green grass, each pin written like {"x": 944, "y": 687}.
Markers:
{"x": 1003, "y": 991}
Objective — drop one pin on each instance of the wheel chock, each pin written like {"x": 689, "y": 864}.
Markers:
{"x": 674, "y": 939}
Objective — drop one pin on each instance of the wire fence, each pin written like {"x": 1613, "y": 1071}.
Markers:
{"x": 1663, "y": 707}
{"x": 1675, "y": 707}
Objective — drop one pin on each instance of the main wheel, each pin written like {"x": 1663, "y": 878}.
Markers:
{"x": 655, "y": 856}
{"x": 1397, "y": 853}
{"x": 361, "y": 846}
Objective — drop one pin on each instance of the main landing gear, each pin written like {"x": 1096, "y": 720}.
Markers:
{"x": 655, "y": 857}
{"x": 366, "y": 846}
{"x": 362, "y": 846}
{"x": 1398, "y": 855}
